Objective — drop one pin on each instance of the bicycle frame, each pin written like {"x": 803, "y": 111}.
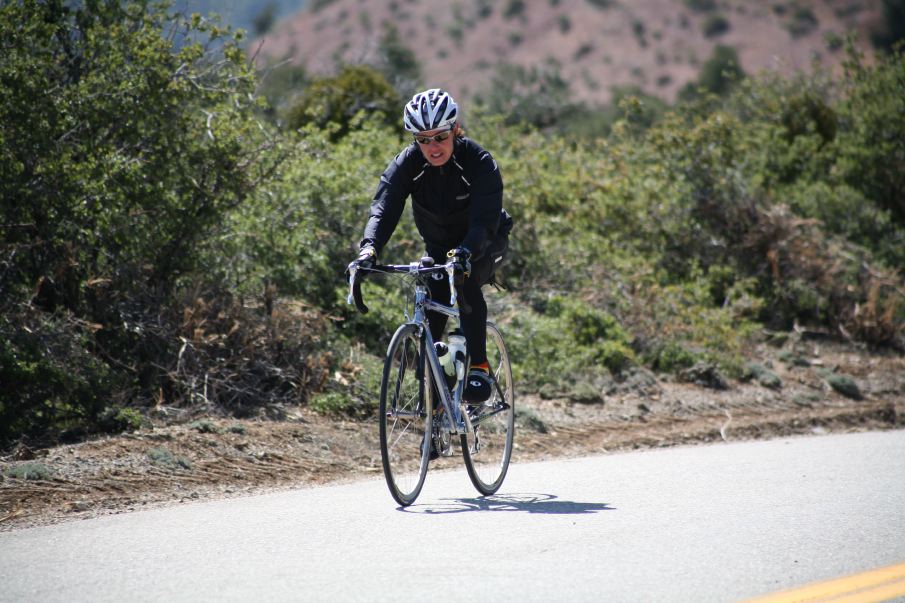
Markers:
{"x": 451, "y": 401}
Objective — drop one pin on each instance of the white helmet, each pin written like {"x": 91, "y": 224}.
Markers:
{"x": 430, "y": 110}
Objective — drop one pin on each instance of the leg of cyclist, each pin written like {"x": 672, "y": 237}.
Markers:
{"x": 439, "y": 292}
{"x": 473, "y": 324}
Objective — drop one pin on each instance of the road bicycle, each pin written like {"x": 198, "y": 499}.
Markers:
{"x": 421, "y": 415}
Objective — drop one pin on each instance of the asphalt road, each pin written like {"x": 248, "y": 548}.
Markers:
{"x": 707, "y": 523}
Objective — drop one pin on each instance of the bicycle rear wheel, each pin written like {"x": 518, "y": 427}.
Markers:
{"x": 487, "y": 444}
{"x": 405, "y": 415}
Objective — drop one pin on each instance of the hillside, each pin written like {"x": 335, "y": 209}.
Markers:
{"x": 173, "y": 316}
{"x": 657, "y": 45}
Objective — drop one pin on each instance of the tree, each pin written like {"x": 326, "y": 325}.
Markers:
{"x": 537, "y": 95}
{"x": 265, "y": 18}
{"x": 892, "y": 28}
{"x": 126, "y": 134}
{"x": 718, "y": 74}
{"x": 398, "y": 62}
{"x": 339, "y": 98}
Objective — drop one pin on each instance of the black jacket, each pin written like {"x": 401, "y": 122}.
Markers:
{"x": 457, "y": 204}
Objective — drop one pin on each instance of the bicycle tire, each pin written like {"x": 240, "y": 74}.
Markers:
{"x": 487, "y": 443}
{"x": 405, "y": 415}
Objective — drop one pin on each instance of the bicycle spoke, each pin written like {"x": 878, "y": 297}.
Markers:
{"x": 488, "y": 448}
{"x": 403, "y": 414}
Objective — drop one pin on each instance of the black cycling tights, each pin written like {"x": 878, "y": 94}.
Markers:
{"x": 473, "y": 324}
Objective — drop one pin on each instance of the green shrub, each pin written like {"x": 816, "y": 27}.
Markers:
{"x": 205, "y": 426}
{"x": 51, "y": 383}
{"x": 29, "y": 471}
{"x": 331, "y": 402}
{"x": 700, "y": 6}
{"x": 567, "y": 345}
{"x": 721, "y": 70}
{"x": 671, "y": 357}
{"x": 763, "y": 375}
{"x": 127, "y": 135}
{"x": 513, "y": 9}
{"x": 528, "y": 419}
{"x": 803, "y": 21}
{"x": 845, "y": 385}
{"x": 715, "y": 25}
{"x": 399, "y": 65}
{"x": 338, "y": 99}
{"x": 872, "y": 146}
{"x": 115, "y": 419}
{"x": 891, "y": 28}
{"x": 163, "y": 457}
{"x": 833, "y": 41}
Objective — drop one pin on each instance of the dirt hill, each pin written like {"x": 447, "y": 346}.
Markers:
{"x": 657, "y": 45}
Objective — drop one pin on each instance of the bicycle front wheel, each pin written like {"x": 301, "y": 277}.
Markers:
{"x": 405, "y": 415}
{"x": 487, "y": 444}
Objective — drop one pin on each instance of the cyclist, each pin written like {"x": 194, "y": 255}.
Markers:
{"x": 457, "y": 203}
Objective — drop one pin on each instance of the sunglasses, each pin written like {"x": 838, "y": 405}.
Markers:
{"x": 437, "y": 137}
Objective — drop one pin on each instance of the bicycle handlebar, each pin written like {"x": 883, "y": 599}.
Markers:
{"x": 416, "y": 268}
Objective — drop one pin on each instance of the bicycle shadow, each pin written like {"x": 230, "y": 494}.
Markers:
{"x": 547, "y": 504}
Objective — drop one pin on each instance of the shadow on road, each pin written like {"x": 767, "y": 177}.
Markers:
{"x": 528, "y": 503}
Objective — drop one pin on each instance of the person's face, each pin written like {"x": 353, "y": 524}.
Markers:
{"x": 437, "y": 152}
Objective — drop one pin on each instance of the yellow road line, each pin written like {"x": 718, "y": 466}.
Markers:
{"x": 880, "y": 584}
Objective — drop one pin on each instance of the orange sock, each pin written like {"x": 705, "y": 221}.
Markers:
{"x": 484, "y": 366}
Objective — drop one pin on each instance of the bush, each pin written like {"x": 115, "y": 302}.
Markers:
{"x": 700, "y": 6}
{"x": 872, "y": 145}
{"x": 29, "y": 471}
{"x": 127, "y": 135}
{"x": 892, "y": 26}
{"x": 337, "y": 100}
{"x": 721, "y": 70}
{"x": 844, "y": 384}
{"x": 205, "y": 426}
{"x": 115, "y": 419}
{"x": 164, "y": 458}
{"x": 51, "y": 383}
{"x": 803, "y": 21}
{"x": 763, "y": 375}
{"x": 566, "y": 344}
{"x": 715, "y": 25}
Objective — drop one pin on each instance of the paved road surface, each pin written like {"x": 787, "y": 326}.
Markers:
{"x": 707, "y": 523}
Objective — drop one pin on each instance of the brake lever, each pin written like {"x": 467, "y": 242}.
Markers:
{"x": 355, "y": 291}
{"x": 451, "y": 271}
{"x": 353, "y": 270}
{"x": 454, "y": 294}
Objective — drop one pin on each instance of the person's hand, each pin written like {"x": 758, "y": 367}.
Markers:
{"x": 367, "y": 257}
{"x": 461, "y": 258}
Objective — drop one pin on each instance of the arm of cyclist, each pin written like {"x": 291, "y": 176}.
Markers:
{"x": 486, "y": 206}
{"x": 389, "y": 201}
